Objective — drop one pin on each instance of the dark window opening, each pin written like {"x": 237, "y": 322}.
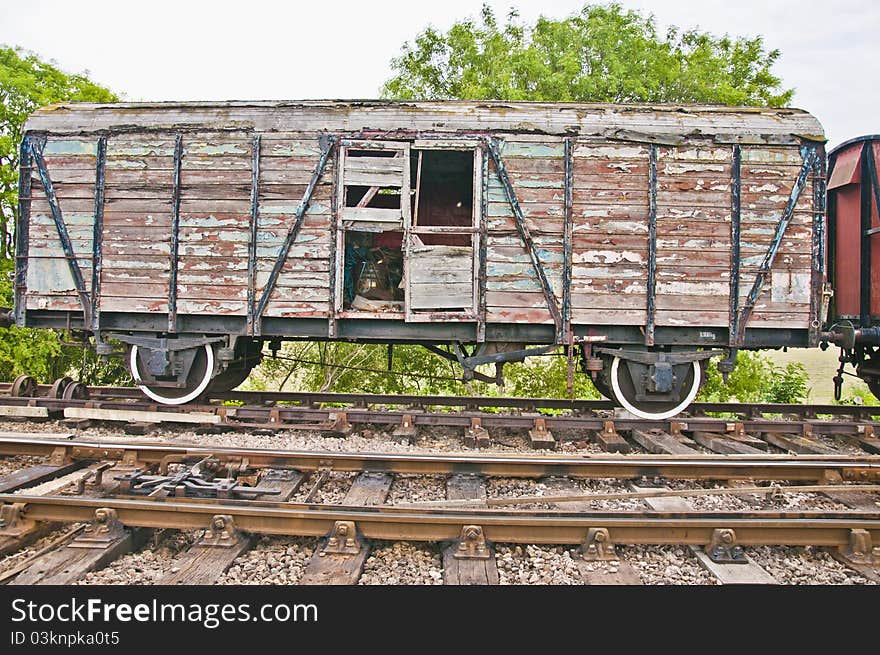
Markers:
{"x": 444, "y": 194}
{"x": 373, "y": 271}
{"x": 373, "y": 197}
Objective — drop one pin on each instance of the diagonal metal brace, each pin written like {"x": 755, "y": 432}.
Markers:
{"x": 809, "y": 154}
{"x": 525, "y": 235}
{"x": 36, "y": 149}
{"x": 327, "y": 142}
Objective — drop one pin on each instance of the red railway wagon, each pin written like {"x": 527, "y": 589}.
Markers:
{"x": 854, "y": 263}
{"x": 641, "y": 239}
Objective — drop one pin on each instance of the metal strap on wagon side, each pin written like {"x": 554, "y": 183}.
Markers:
{"x": 35, "y": 145}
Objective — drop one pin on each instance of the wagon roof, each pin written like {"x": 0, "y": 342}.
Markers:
{"x": 651, "y": 121}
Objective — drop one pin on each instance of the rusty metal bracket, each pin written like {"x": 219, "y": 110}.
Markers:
{"x": 407, "y": 429}
{"x": 472, "y": 544}
{"x": 476, "y": 436}
{"x": 860, "y": 549}
{"x": 97, "y": 473}
{"x": 540, "y": 436}
{"x": 675, "y": 430}
{"x": 14, "y": 521}
{"x": 598, "y": 546}
{"x": 723, "y": 548}
{"x": 337, "y": 423}
{"x": 59, "y": 456}
{"x": 130, "y": 459}
{"x": 221, "y": 533}
{"x": 101, "y": 532}
{"x": 343, "y": 540}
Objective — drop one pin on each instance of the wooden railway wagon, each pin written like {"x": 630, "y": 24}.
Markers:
{"x": 854, "y": 264}
{"x": 641, "y": 239}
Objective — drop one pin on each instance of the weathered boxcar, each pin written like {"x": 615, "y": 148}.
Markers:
{"x": 642, "y": 239}
{"x": 854, "y": 262}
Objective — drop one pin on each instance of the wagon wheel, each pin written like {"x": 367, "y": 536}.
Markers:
{"x": 197, "y": 381}
{"x": 873, "y": 385}
{"x": 58, "y": 387}
{"x": 248, "y": 355}
{"x": 229, "y": 379}
{"x": 602, "y": 387}
{"x": 624, "y": 391}
{"x": 76, "y": 391}
{"x": 24, "y": 386}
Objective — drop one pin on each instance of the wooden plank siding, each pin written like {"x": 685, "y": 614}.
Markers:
{"x": 50, "y": 282}
{"x": 610, "y": 206}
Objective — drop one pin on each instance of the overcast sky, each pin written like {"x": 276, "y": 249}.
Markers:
{"x": 256, "y": 49}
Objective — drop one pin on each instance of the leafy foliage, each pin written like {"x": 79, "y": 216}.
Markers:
{"x": 757, "y": 379}
{"x": 318, "y": 367}
{"x": 26, "y": 83}
{"x": 858, "y": 394}
{"x": 604, "y": 53}
{"x": 41, "y": 354}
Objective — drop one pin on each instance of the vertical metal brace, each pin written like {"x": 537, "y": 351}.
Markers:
{"x": 175, "y": 234}
{"x": 526, "y": 237}
{"x": 22, "y": 229}
{"x": 869, "y": 188}
{"x": 483, "y": 249}
{"x": 650, "y": 309}
{"x": 566, "y": 267}
{"x": 61, "y": 227}
{"x": 831, "y": 227}
{"x": 97, "y": 236}
{"x": 326, "y": 142}
{"x": 817, "y": 249}
{"x": 332, "y": 327}
{"x": 254, "y": 232}
{"x": 567, "y": 239}
{"x": 735, "y": 240}
{"x": 809, "y": 154}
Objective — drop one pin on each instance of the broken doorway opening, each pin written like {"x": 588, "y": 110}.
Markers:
{"x": 408, "y": 233}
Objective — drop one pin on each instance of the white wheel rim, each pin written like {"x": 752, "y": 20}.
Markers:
{"x": 628, "y": 406}
{"x": 192, "y": 395}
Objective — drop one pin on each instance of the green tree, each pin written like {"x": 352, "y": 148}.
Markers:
{"x": 601, "y": 54}
{"x": 26, "y": 83}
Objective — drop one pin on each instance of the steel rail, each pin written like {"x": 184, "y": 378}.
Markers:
{"x": 545, "y": 527}
{"x": 298, "y": 417}
{"x": 306, "y": 398}
{"x": 800, "y": 468}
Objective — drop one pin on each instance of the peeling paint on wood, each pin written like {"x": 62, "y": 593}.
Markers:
{"x": 610, "y": 207}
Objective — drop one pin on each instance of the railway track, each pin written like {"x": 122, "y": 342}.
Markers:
{"x": 127, "y": 490}
{"x": 715, "y": 486}
{"x": 547, "y": 421}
